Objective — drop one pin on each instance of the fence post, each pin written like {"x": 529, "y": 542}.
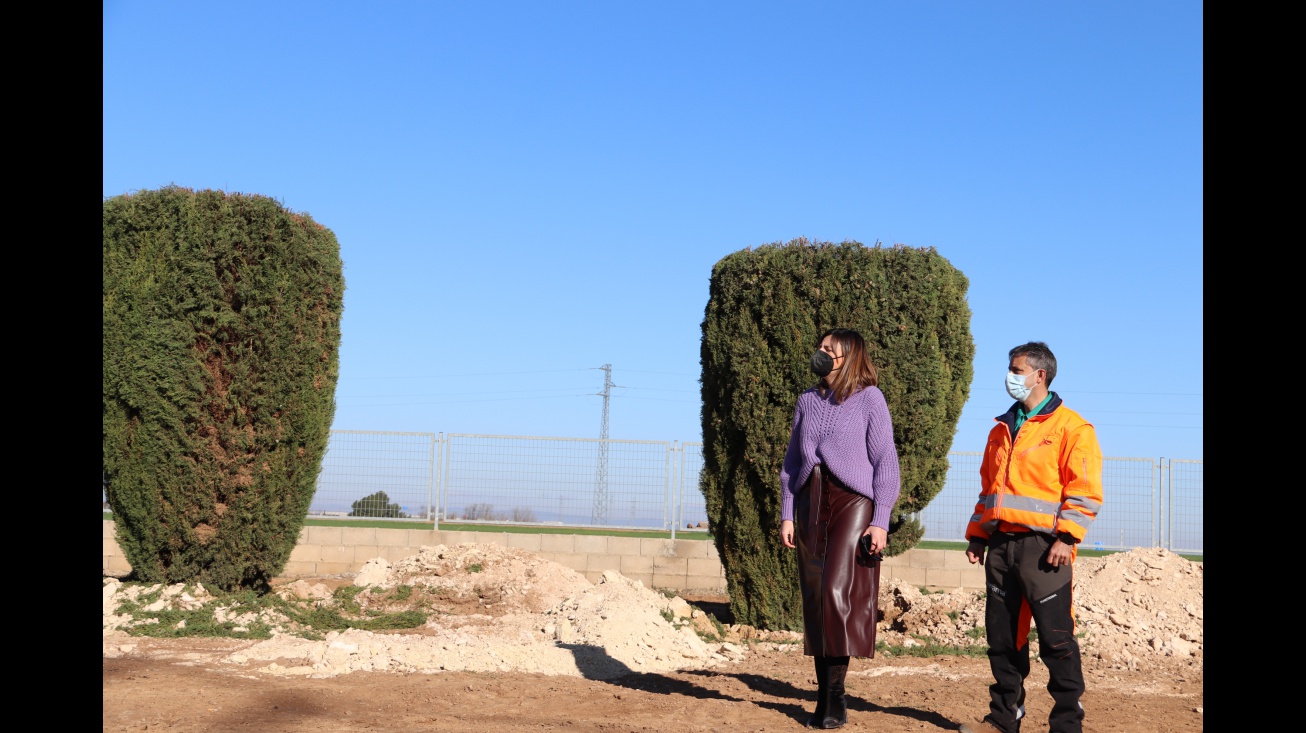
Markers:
{"x": 430, "y": 487}
{"x": 668, "y": 512}
{"x": 446, "y": 448}
{"x": 680, "y": 487}
{"x": 1168, "y": 472}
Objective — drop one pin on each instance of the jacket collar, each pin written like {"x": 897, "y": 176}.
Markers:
{"x": 1009, "y": 417}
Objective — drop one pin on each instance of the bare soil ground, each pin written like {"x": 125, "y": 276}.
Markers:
{"x": 1143, "y": 665}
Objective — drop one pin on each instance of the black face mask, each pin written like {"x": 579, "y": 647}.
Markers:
{"x": 822, "y": 363}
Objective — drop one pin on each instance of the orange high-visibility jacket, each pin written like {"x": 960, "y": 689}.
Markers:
{"x": 1049, "y": 481}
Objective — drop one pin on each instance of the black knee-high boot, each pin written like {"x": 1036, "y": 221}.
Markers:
{"x": 822, "y": 686}
{"x": 836, "y": 703}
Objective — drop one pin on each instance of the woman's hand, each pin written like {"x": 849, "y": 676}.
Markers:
{"x": 787, "y": 533}
{"x": 879, "y": 538}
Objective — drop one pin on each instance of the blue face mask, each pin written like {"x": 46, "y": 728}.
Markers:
{"x": 1016, "y": 387}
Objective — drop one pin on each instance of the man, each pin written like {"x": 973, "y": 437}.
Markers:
{"x": 1041, "y": 487}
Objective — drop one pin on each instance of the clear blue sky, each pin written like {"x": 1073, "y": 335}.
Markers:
{"x": 525, "y": 191}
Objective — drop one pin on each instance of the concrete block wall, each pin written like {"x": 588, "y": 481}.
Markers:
{"x": 680, "y": 565}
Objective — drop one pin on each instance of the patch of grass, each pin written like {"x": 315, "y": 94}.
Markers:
{"x": 668, "y": 615}
{"x": 302, "y": 617}
{"x": 346, "y": 597}
{"x": 718, "y": 633}
{"x": 474, "y": 568}
{"x": 176, "y": 623}
{"x": 976, "y": 633}
{"x": 322, "y": 618}
{"x": 720, "y": 629}
{"x": 198, "y": 622}
{"x": 928, "y": 647}
{"x": 954, "y": 615}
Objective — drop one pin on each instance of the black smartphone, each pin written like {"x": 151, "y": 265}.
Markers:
{"x": 865, "y": 544}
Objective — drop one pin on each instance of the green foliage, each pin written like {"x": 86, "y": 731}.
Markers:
{"x": 375, "y": 505}
{"x": 720, "y": 629}
{"x": 322, "y": 618}
{"x": 346, "y": 596}
{"x": 221, "y": 336}
{"x": 719, "y": 633}
{"x": 259, "y": 613}
{"x": 767, "y": 306}
{"x": 928, "y": 647}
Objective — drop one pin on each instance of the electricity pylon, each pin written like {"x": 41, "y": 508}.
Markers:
{"x": 600, "y": 514}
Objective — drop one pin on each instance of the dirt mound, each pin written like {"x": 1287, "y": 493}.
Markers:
{"x": 492, "y": 608}
{"x": 499, "y": 580}
{"x": 1132, "y": 607}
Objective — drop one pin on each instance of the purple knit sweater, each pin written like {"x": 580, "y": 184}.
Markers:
{"x": 854, "y": 441}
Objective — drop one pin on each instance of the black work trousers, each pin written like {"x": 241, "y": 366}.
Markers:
{"x": 1023, "y": 586}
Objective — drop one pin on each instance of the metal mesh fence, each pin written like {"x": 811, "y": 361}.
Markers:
{"x": 1130, "y": 517}
{"x": 631, "y": 484}
{"x": 571, "y": 481}
{"x": 1184, "y": 515}
{"x": 947, "y": 514}
{"x": 377, "y": 475}
{"x": 691, "y": 507}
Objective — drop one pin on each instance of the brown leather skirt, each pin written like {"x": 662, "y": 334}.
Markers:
{"x": 840, "y": 583}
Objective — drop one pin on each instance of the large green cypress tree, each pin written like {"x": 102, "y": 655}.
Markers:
{"x": 766, "y": 309}
{"x": 221, "y": 355}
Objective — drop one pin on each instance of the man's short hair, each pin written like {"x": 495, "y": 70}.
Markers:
{"x": 1038, "y": 355}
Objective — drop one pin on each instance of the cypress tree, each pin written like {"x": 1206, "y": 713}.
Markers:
{"x": 221, "y": 355}
{"x": 767, "y": 307}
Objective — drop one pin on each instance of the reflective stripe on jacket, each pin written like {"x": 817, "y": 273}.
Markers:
{"x": 1049, "y": 481}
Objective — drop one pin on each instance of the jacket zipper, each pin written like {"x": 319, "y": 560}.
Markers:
{"x": 1006, "y": 472}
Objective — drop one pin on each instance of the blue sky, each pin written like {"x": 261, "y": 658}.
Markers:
{"x": 526, "y": 191}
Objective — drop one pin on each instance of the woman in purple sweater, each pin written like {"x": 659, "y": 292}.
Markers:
{"x": 838, "y": 484}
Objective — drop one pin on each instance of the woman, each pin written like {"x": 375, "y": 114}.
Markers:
{"x": 839, "y": 483}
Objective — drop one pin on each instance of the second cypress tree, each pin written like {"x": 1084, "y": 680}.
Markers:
{"x": 767, "y": 307}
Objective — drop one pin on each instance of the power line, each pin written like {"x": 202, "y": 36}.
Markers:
{"x": 457, "y": 394}
{"x": 477, "y": 399}
{"x": 1088, "y": 391}
{"x": 1114, "y": 425}
{"x": 476, "y": 374}
{"x": 1001, "y": 408}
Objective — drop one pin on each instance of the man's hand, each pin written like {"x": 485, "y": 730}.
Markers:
{"x": 1060, "y": 554}
{"x": 787, "y": 533}
{"x": 975, "y": 552}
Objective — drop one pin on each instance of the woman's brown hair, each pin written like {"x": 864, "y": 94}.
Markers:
{"x": 857, "y": 370}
